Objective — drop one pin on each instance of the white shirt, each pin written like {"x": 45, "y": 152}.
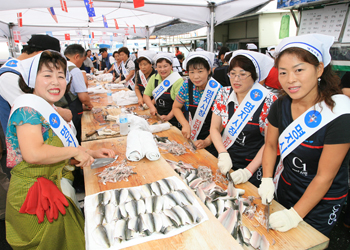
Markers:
{"x": 9, "y": 88}
{"x": 78, "y": 83}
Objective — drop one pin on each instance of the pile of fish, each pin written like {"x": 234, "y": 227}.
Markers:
{"x": 116, "y": 173}
{"x": 227, "y": 205}
{"x": 172, "y": 147}
{"x": 126, "y": 214}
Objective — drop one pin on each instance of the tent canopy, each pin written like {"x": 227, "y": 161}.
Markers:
{"x": 140, "y": 22}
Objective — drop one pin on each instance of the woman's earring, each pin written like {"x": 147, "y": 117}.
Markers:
{"x": 319, "y": 81}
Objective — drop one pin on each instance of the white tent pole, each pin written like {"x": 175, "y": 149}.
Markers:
{"x": 11, "y": 41}
{"x": 125, "y": 41}
{"x": 212, "y": 27}
{"x": 208, "y": 37}
{"x": 147, "y": 38}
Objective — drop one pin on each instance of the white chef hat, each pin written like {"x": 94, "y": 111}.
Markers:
{"x": 262, "y": 63}
{"x": 199, "y": 49}
{"x": 208, "y": 56}
{"x": 29, "y": 69}
{"x": 148, "y": 54}
{"x": 251, "y": 46}
{"x": 271, "y": 51}
{"x": 316, "y": 44}
{"x": 165, "y": 55}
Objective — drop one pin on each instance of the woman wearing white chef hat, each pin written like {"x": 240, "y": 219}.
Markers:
{"x": 241, "y": 110}
{"x": 309, "y": 125}
{"x": 197, "y": 95}
{"x": 145, "y": 61}
{"x": 41, "y": 207}
{"x": 163, "y": 86}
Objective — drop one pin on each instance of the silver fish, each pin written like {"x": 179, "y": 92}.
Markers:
{"x": 157, "y": 222}
{"x": 246, "y": 234}
{"x": 155, "y": 188}
{"x": 211, "y": 207}
{"x": 193, "y": 213}
{"x": 229, "y": 219}
{"x": 131, "y": 208}
{"x": 141, "y": 207}
{"x": 158, "y": 203}
{"x": 146, "y": 190}
{"x": 173, "y": 217}
{"x": 100, "y": 236}
{"x": 188, "y": 195}
{"x": 200, "y": 193}
{"x": 168, "y": 202}
{"x": 181, "y": 213}
{"x": 124, "y": 193}
{"x": 149, "y": 204}
{"x": 132, "y": 224}
{"x": 183, "y": 198}
{"x": 255, "y": 239}
{"x": 109, "y": 212}
{"x": 110, "y": 227}
{"x": 164, "y": 186}
{"x": 220, "y": 207}
{"x": 100, "y": 214}
{"x": 135, "y": 193}
{"x": 122, "y": 210}
{"x": 264, "y": 243}
{"x": 119, "y": 231}
{"x": 106, "y": 197}
{"x": 166, "y": 223}
{"x": 194, "y": 184}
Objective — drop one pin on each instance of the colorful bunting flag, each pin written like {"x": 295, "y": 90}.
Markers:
{"x": 67, "y": 36}
{"x": 93, "y": 35}
{"x": 139, "y": 3}
{"x": 126, "y": 31}
{"x": 134, "y": 28}
{"x": 105, "y": 21}
{"x": 49, "y": 33}
{"x": 115, "y": 34}
{"x": 116, "y": 24}
{"x": 104, "y": 33}
{"x": 89, "y": 4}
{"x": 16, "y": 36}
{"x": 64, "y": 6}
{"x": 52, "y": 12}
{"x": 19, "y": 19}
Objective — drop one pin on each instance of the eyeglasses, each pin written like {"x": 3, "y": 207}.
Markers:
{"x": 241, "y": 76}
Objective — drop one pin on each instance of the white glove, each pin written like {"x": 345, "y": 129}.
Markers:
{"x": 122, "y": 82}
{"x": 241, "y": 175}
{"x": 266, "y": 190}
{"x": 117, "y": 80}
{"x": 145, "y": 106}
{"x": 285, "y": 220}
{"x": 224, "y": 163}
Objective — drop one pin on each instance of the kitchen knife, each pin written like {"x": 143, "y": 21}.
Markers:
{"x": 91, "y": 133}
{"x": 161, "y": 119}
{"x": 192, "y": 143}
{"x": 98, "y": 163}
{"x": 267, "y": 215}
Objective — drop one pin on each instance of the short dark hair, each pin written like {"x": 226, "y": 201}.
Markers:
{"x": 74, "y": 49}
{"x": 330, "y": 82}
{"x": 244, "y": 63}
{"x": 180, "y": 56}
{"x": 197, "y": 62}
{"x": 88, "y": 50}
{"x": 115, "y": 52}
{"x": 223, "y": 51}
{"x": 124, "y": 50}
{"x": 102, "y": 50}
{"x": 163, "y": 59}
{"x": 47, "y": 58}
{"x": 177, "y": 48}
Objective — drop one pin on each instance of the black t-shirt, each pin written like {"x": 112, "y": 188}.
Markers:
{"x": 337, "y": 130}
{"x": 345, "y": 80}
{"x": 301, "y": 165}
{"x": 220, "y": 75}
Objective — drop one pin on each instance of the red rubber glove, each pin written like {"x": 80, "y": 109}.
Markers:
{"x": 53, "y": 200}
{"x": 32, "y": 203}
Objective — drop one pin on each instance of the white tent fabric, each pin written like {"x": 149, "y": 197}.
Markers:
{"x": 132, "y": 22}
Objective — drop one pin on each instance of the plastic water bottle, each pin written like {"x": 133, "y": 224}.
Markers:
{"x": 109, "y": 94}
{"x": 123, "y": 122}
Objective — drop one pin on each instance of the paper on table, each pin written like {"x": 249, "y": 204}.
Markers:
{"x": 90, "y": 223}
{"x": 125, "y": 97}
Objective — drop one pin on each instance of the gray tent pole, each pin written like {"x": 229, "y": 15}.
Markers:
{"x": 147, "y": 38}
{"x": 11, "y": 41}
{"x": 212, "y": 5}
{"x": 208, "y": 38}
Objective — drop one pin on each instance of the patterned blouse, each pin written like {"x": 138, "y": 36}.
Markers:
{"x": 220, "y": 107}
{"x": 19, "y": 117}
{"x": 183, "y": 96}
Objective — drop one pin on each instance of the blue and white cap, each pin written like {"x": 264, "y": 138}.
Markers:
{"x": 166, "y": 55}
{"x": 263, "y": 63}
{"x": 29, "y": 69}
{"x": 148, "y": 54}
{"x": 208, "y": 56}
{"x": 316, "y": 44}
